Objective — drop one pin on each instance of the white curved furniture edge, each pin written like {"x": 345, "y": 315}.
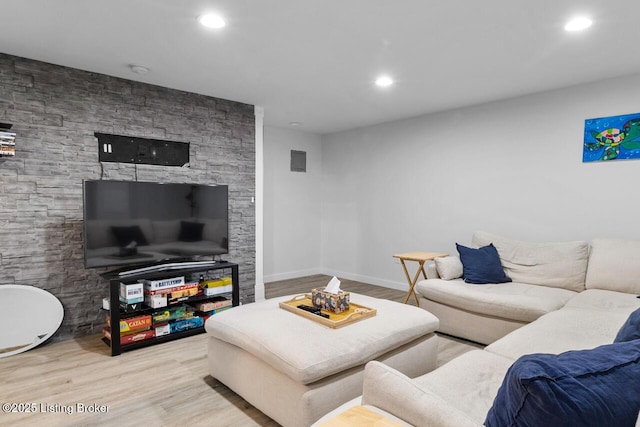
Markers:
{"x": 29, "y": 316}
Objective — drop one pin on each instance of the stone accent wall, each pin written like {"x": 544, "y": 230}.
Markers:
{"x": 55, "y": 112}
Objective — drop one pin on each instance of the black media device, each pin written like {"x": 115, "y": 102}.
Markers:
{"x": 144, "y": 223}
{"x": 313, "y": 310}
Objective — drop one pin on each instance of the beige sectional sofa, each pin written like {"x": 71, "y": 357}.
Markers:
{"x": 461, "y": 392}
{"x": 545, "y": 277}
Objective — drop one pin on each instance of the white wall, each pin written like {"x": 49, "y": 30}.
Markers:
{"x": 512, "y": 168}
{"x": 292, "y": 205}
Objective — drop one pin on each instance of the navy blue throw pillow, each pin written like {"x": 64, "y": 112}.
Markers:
{"x": 631, "y": 329}
{"x": 587, "y": 388}
{"x": 482, "y": 265}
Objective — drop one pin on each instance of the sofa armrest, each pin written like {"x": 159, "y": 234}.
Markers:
{"x": 395, "y": 393}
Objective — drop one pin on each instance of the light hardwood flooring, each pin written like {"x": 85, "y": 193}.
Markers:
{"x": 162, "y": 385}
{"x": 305, "y": 284}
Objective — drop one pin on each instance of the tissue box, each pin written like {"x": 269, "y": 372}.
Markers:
{"x": 336, "y": 303}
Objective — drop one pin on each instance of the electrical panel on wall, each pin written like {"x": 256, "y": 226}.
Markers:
{"x": 127, "y": 149}
{"x": 298, "y": 161}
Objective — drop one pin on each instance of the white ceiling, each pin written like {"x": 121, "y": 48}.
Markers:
{"x": 314, "y": 61}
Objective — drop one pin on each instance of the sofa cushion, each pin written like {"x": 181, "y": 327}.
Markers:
{"x": 631, "y": 329}
{"x": 614, "y": 265}
{"x": 515, "y": 301}
{"x": 393, "y": 392}
{"x": 598, "y": 299}
{"x": 559, "y": 265}
{"x": 449, "y": 267}
{"x": 290, "y": 343}
{"x": 596, "y": 387}
{"x": 560, "y": 331}
{"x": 482, "y": 265}
{"x": 469, "y": 382}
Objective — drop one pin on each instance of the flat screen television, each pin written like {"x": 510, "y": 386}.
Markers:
{"x": 146, "y": 223}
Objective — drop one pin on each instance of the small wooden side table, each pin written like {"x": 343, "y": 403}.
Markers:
{"x": 359, "y": 416}
{"x": 420, "y": 258}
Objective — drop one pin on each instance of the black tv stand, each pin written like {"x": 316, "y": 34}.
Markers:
{"x": 159, "y": 272}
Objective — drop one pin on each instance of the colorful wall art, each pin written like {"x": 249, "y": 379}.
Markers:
{"x": 611, "y": 138}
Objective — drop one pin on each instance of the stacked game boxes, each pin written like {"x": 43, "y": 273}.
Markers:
{"x": 163, "y": 292}
{"x": 165, "y": 300}
{"x": 218, "y": 286}
{"x": 206, "y": 309}
{"x": 135, "y": 328}
{"x": 132, "y": 329}
{"x": 131, "y": 297}
{"x": 175, "y": 319}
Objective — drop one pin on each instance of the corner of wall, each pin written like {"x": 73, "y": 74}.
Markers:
{"x": 259, "y": 204}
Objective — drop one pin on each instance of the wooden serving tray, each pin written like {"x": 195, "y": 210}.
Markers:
{"x": 359, "y": 416}
{"x": 355, "y": 313}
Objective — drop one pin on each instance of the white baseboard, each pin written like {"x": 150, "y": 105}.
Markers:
{"x": 291, "y": 275}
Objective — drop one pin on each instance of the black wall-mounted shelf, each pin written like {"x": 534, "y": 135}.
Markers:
{"x": 130, "y": 149}
{"x": 7, "y": 141}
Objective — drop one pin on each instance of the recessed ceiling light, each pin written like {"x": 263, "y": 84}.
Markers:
{"x": 384, "y": 81}
{"x": 578, "y": 24}
{"x": 295, "y": 124}
{"x": 139, "y": 69}
{"x": 212, "y": 20}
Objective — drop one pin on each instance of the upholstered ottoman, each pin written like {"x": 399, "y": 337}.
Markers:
{"x": 295, "y": 370}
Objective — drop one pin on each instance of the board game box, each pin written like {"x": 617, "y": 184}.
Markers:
{"x": 131, "y": 338}
{"x": 131, "y": 293}
{"x": 177, "y": 312}
{"x": 186, "y": 324}
{"x": 133, "y": 324}
{"x": 154, "y": 285}
{"x": 212, "y": 304}
{"x": 173, "y": 289}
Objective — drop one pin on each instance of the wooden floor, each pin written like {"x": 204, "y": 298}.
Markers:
{"x": 305, "y": 284}
{"x": 77, "y": 383}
